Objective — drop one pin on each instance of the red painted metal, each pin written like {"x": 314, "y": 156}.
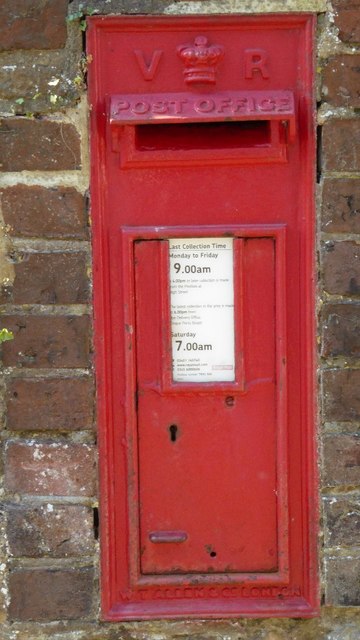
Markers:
{"x": 203, "y": 127}
{"x": 214, "y": 107}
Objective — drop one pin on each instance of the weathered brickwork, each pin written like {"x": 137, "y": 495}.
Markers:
{"x": 38, "y": 212}
{"x": 38, "y": 145}
{"x": 347, "y": 20}
{"x": 343, "y": 521}
{"x": 341, "y": 460}
{"x": 48, "y": 454}
{"x": 341, "y": 335}
{"x": 47, "y": 341}
{"x": 340, "y": 313}
{"x": 49, "y": 468}
{"x": 49, "y": 555}
{"x": 340, "y": 211}
{"x": 341, "y": 400}
{"x": 49, "y": 404}
{"x": 49, "y": 594}
{"x": 48, "y": 278}
{"x": 341, "y": 268}
{"x": 33, "y": 25}
{"x": 51, "y": 530}
{"x": 342, "y": 585}
{"x": 341, "y": 140}
{"x": 347, "y": 92}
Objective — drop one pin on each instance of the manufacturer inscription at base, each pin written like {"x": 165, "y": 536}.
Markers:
{"x": 219, "y": 592}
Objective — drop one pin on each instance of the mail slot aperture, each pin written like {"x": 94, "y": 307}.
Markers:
{"x": 214, "y": 135}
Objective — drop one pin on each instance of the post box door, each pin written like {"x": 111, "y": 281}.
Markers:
{"x": 207, "y": 459}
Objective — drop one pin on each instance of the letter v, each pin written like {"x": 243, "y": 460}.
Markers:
{"x": 148, "y": 70}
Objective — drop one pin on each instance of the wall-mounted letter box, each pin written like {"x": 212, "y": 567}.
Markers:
{"x": 202, "y": 173}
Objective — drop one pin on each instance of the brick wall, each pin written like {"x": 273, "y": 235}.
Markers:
{"x": 48, "y": 516}
{"x": 339, "y": 292}
{"x": 48, "y": 452}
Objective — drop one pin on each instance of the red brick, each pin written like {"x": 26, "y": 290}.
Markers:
{"x": 38, "y": 145}
{"x": 341, "y": 268}
{"x": 341, "y": 206}
{"x": 347, "y": 19}
{"x": 341, "y": 145}
{"x": 341, "y": 460}
{"x": 21, "y": 72}
{"x": 47, "y": 341}
{"x": 342, "y": 521}
{"x": 341, "y": 395}
{"x": 50, "y": 530}
{"x": 58, "y": 469}
{"x": 31, "y": 212}
{"x": 64, "y": 404}
{"x": 50, "y": 594}
{"x": 341, "y": 80}
{"x": 342, "y": 582}
{"x": 50, "y": 278}
{"x": 39, "y": 24}
{"x": 341, "y": 330}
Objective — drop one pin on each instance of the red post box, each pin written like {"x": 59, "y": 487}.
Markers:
{"x": 202, "y": 204}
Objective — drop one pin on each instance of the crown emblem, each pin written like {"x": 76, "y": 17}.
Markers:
{"x": 200, "y": 60}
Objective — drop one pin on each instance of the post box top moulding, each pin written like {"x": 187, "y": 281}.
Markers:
{"x": 207, "y": 7}
{"x": 249, "y": 7}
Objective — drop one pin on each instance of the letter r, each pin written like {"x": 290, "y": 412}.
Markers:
{"x": 256, "y": 62}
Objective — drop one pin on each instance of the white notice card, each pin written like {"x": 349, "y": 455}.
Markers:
{"x": 202, "y": 309}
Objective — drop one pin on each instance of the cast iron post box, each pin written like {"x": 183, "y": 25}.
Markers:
{"x": 202, "y": 204}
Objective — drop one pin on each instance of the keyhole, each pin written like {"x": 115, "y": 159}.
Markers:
{"x": 173, "y": 432}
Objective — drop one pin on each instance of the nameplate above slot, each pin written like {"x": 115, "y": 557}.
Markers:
{"x": 226, "y": 106}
